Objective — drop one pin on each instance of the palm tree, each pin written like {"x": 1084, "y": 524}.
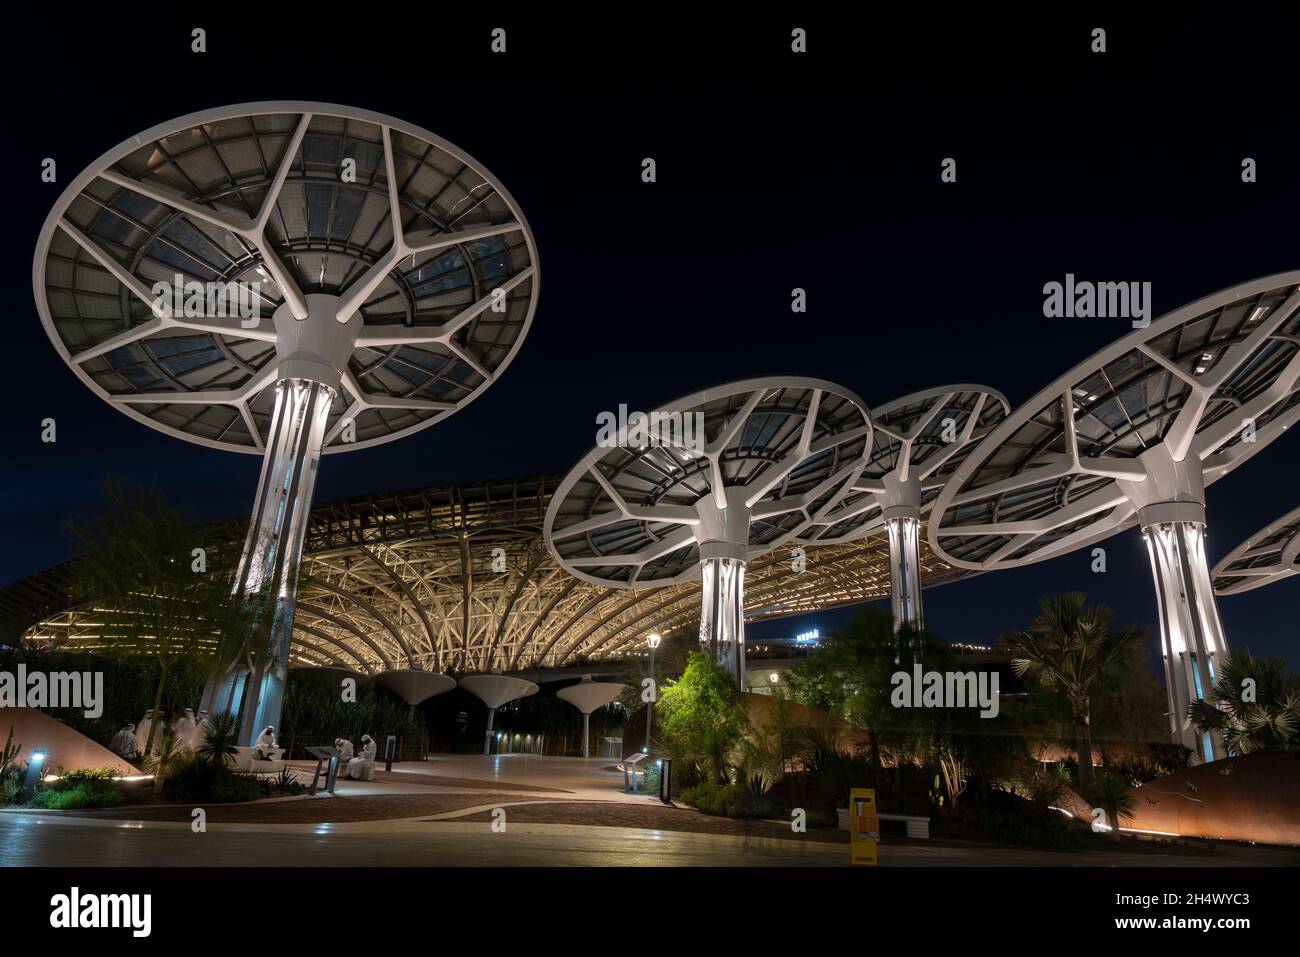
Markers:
{"x": 1111, "y": 792}
{"x": 1069, "y": 645}
{"x": 1254, "y": 703}
{"x": 165, "y": 759}
{"x": 219, "y": 743}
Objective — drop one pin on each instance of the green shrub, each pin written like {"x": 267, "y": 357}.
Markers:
{"x": 285, "y": 782}
{"x": 990, "y": 813}
{"x": 86, "y": 774}
{"x": 728, "y": 800}
{"x": 86, "y": 792}
{"x": 202, "y": 780}
{"x": 821, "y": 817}
{"x": 231, "y": 788}
{"x": 703, "y": 719}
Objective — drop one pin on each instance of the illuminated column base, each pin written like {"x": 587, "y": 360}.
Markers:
{"x": 268, "y": 568}
{"x": 487, "y": 735}
{"x": 904, "y": 529}
{"x": 722, "y": 614}
{"x": 1190, "y": 631}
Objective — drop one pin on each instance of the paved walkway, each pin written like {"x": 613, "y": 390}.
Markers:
{"x": 578, "y": 778}
{"x": 32, "y": 840}
{"x": 440, "y": 812}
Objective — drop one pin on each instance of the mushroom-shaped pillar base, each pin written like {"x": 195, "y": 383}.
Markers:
{"x": 415, "y": 687}
{"x": 587, "y": 696}
{"x": 494, "y": 691}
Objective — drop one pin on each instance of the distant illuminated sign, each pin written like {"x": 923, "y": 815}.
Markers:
{"x": 807, "y": 637}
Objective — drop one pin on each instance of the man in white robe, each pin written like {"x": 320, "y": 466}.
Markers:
{"x": 264, "y": 746}
{"x": 183, "y": 730}
{"x": 366, "y": 759}
{"x": 142, "y": 731}
{"x": 202, "y": 726}
{"x": 123, "y": 743}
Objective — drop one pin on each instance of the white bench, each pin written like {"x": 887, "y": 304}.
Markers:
{"x": 918, "y": 826}
{"x": 244, "y": 761}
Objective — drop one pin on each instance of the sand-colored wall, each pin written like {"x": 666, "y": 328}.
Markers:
{"x": 63, "y": 747}
{"x": 1251, "y": 798}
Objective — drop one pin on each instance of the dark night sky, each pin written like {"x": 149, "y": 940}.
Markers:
{"x": 775, "y": 171}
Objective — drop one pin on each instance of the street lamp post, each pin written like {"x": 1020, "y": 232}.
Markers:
{"x": 653, "y": 641}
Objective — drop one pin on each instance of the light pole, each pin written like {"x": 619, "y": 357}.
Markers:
{"x": 653, "y": 641}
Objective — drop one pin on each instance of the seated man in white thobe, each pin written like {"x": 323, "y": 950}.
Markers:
{"x": 123, "y": 743}
{"x": 264, "y": 747}
{"x": 365, "y": 760}
{"x": 344, "y": 747}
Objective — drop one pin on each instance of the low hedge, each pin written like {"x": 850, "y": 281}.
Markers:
{"x": 204, "y": 781}
{"x": 71, "y": 793}
{"x": 728, "y": 800}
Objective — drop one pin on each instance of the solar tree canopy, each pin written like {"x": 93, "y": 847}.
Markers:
{"x": 1271, "y": 554}
{"x": 1156, "y": 416}
{"x": 749, "y": 465}
{"x": 1133, "y": 436}
{"x": 413, "y": 263}
{"x": 918, "y": 442}
{"x": 770, "y": 452}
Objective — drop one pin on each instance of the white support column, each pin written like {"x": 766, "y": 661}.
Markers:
{"x": 722, "y": 614}
{"x": 903, "y": 526}
{"x": 487, "y": 735}
{"x": 268, "y": 567}
{"x": 1171, "y": 509}
{"x": 1190, "y": 631}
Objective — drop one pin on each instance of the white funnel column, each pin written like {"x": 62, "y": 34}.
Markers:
{"x": 1171, "y": 510}
{"x": 268, "y": 568}
{"x": 495, "y": 691}
{"x": 1190, "y": 631}
{"x": 903, "y": 526}
{"x": 487, "y": 736}
{"x": 722, "y": 615}
{"x": 587, "y": 696}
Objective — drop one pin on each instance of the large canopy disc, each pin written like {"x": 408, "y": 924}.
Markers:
{"x": 771, "y": 451}
{"x": 148, "y": 263}
{"x": 919, "y": 441}
{"x": 1271, "y": 554}
{"x": 1149, "y": 421}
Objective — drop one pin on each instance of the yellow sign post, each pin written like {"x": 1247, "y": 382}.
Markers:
{"x": 864, "y": 826}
